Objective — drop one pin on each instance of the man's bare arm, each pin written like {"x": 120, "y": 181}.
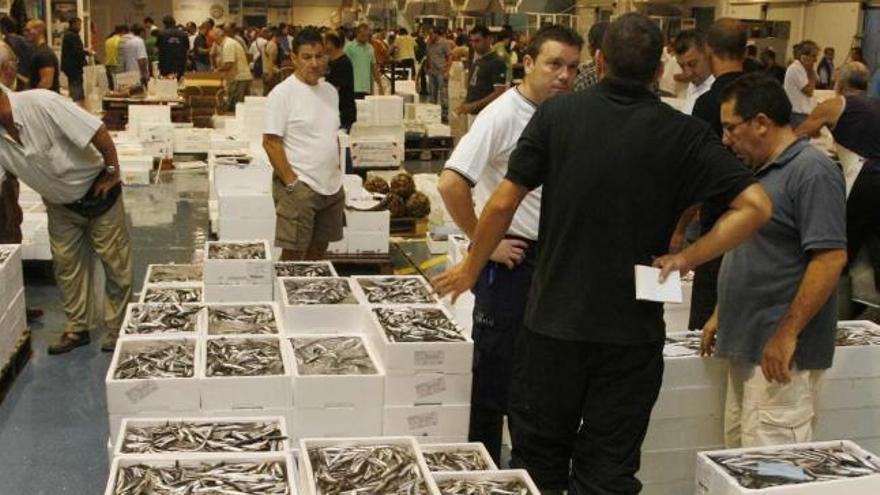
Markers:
{"x": 47, "y": 76}
{"x": 274, "y": 146}
{"x": 825, "y": 114}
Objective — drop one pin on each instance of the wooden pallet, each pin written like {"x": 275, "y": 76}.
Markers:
{"x": 16, "y": 364}
{"x": 409, "y": 227}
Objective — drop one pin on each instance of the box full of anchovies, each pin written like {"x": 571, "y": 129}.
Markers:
{"x": 320, "y": 305}
{"x": 192, "y": 292}
{"x": 159, "y": 274}
{"x": 817, "y": 468}
{"x": 162, "y": 320}
{"x": 157, "y": 374}
{"x": 202, "y": 435}
{"x": 419, "y": 338}
{"x": 395, "y": 289}
{"x": 255, "y": 474}
{"x": 243, "y": 318}
{"x": 508, "y": 482}
{"x": 245, "y": 372}
{"x": 238, "y": 263}
{"x": 469, "y": 456}
{"x": 386, "y": 465}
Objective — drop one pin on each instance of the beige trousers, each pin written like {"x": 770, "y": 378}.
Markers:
{"x": 73, "y": 239}
{"x": 761, "y": 413}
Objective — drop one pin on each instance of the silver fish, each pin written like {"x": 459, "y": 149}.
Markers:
{"x": 816, "y": 464}
{"x": 319, "y": 291}
{"x": 237, "y": 251}
{"x": 161, "y": 360}
{"x": 455, "y": 460}
{"x": 418, "y": 325}
{"x": 234, "y": 478}
{"x": 396, "y": 290}
{"x": 244, "y": 357}
{"x": 162, "y": 318}
{"x": 855, "y": 333}
{"x": 244, "y": 319}
{"x": 5, "y": 253}
{"x": 366, "y": 469}
{"x": 175, "y": 273}
{"x": 690, "y": 342}
{"x": 208, "y": 436}
{"x": 482, "y": 487}
{"x": 332, "y": 356}
{"x": 172, "y": 295}
{"x": 302, "y": 269}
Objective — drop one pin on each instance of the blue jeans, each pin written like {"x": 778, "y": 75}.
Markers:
{"x": 437, "y": 93}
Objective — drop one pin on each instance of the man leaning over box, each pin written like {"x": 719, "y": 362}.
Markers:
{"x": 67, "y": 156}
{"x": 777, "y": 304}
{"x": 300, "y": 137}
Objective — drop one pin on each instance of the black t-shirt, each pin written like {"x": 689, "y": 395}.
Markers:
{"x": 73, "y": 56}
{"x": 614, "y": 186}
{"x": 777, "y": 72}
{"x": 23, "y": 50}
{"x": 44, "y": 57}
{"x": 173, "y": 46}
{"x": 751, "y": 65}
{"x": 486, "y": 72}
{"x": 200, "y": 43}
{"x": 341, "y": 76}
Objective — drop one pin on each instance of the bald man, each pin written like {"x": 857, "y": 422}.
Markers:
{"x": 44, "y": 63}
{"x": 854, "y": 120}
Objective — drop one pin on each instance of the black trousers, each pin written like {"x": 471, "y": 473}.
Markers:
{"x": 704, "y": 296}
{"x": 500, "y": 301}
{"x": 863, "y": 217}
{"x": 579, "y": 412}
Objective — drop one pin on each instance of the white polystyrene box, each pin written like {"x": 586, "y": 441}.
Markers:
{"x": 693, "y": 370}
{"x": 231, "y": 228}
{"x": 150, "y": 290}
{"x": 712, "y": 479}
{"x": 114, "y": 421}
{"x": 854, "y": 393}
{"x": 387, "y": 109}
{"x": 11, "y": 278}
{"x": 135, "y": 422}
{"x": 678, "y": 433}
{"x": 846, "y": 423}
{"x": 246, "y": 392}
{"x": 279, "y": 266}
{"x": 244, "y": 204}
{"x": 212, "y": 308}
{"x": 151, "y": 268}
{"x": 411, "y": 357}
{"x": 368, "y": 221}
{"x": 854, "y": 362}
{"x": 669, "y": 465}
{"x": 233, "y": 177}
{"x": 153, "y": 394}
{"x": 520, "y": 475}
{"x": 427, "y": 388}
{"x": 336, "y": 421}
{"x": 238, "y": 271}
{"x": 361, "y": 281}
{"x": 139, "y": 115}
{"x": 128, "y": 328}
{"x": 427, "y": 420}
{"x": 346, "y": 317}
{"x": 368, "y": 242}
{"x": 462, "y": 446}
{"x": 689, "y": 402}
{"x": 223, "y": 293}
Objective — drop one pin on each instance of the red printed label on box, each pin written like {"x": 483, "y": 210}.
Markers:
{"x": 422, "y": 421}
{"x": 429, "y": 358}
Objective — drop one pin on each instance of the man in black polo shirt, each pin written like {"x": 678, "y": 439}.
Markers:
{"x": 340, "y": 74}
{"x": 73, "y": 59}
{"x": 43, "y": 63}
{"x": 487, "y": 74}
{"x": 589, "y": 353}
{"x": 173, "y": 46}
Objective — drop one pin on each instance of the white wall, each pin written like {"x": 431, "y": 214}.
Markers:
{"x": 305, "y": 15}
{"x": 833, "y": 24}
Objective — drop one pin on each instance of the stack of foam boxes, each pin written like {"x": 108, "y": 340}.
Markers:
{"x": 34, "y": 227}
{"x": 677, "y": 316}
{"x": 244, "y": 199}
{"x": 13, "y": 322}
{"x": 849, "y": 405}
{"x": 151, "y": 124}
{"x": 172, "y": 292}
{"x": 238, "y": 279}
{"x": 365, "y": 231}
{"x": 377, "y": 138}
{"x": 687, "y": 418}
{"x": 233, "y": 158}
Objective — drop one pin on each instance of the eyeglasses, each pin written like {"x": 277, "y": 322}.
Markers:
{"x": 729, "y": 128}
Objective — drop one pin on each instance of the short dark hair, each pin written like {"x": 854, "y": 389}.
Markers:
{"x": 148, "y": 19}
{"x": 137, "y": 29}
{"x": 632, "y": 47}
{"x": 728, "y": 38}
{"x": 553, "y": 32}
{"x": 333, "y": 39}
{"x": 307, "y": 36}
{"x": 481, "y": 30}
{"x": 769, "y": 53}
{"x": 168, "y": 21}
{"x": 73, "y": 20}
{"x": 596, "y": 34}
{"x": 8, "y": 24}
{"x": 807, "y": 46}
{"x": 758, "y": 93}
{"x": 751, "y": 50}
{"x": 687, "y": 39}
{"x": 402, "y": 32}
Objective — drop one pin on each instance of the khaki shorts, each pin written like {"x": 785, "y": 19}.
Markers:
{"x": 304, "y": 217}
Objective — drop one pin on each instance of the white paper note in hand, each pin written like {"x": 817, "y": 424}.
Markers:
{"x": 648, "y": 287}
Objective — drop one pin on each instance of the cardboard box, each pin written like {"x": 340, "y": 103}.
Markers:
{"x": 347, "y": 316}
{"x": 459, "y": 447}
{"x": 243, "y": 392}
{"x": 712, "y": 479}
{"x": 427, "y": 388}
{"x": 238, "y": 293}
{"x": 520, "y": 475}
{"x": 410, "y": 357}
{"x": 213, "y": 313}
{"x": 427, "y": 420}
{"x": 238, "y": 271}
{"x": 153, "y": 394}
{"x": 129, "y": 330}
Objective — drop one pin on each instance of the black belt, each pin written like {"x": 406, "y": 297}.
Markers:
{"x": 94, "y": 205}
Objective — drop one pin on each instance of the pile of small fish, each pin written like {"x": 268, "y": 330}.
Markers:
{"x": 319, "y": 291}
{"x": 685, "y": 345}
{"x": 245, "y": 319}
{"x": 162, "y": 318}
{"x": 302, "y": 269}
{"x": 172, "y": 295}
{"x": 396, "y": 290}
{"x": 482, "y": 487}
{"x": 809, "y": 464}
{"x": 167, "y": 360}
{"x": 418, "y": 325}
{"x": 367, "y": 469}
{"x": 244, "y": 357}
{"x": 203, "y": 437}
{"x": 856, "y": 334}
{"x": 455, "y": 460}
{"x": 266, "y": 478}
{"x": 160, "y": 274}
{"x": 5, "y": 253}
{"x": 332, "y": 356}
{"x": 237, "y": 251}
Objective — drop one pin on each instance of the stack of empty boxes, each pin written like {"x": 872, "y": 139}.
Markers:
{"x": 244, "y": 198}
{"x": 151, "y": 124}
{"x": 34, "y": 227}
{"x": 238, "y": 271}
{"x": 13, "y": 322}
{"x": 377, "y": 138}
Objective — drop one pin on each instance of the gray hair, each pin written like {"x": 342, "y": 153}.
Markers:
{"x": 854, "y": 75}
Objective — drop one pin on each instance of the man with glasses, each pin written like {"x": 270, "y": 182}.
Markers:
{"x": 777, "y": 292}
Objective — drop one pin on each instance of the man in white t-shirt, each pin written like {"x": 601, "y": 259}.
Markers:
{"x": 300, "y": 137}
{"x": 477, "y": 166}
{"x": 690, "y": 52}
{"x": 234, "y": 66}
{"x": 800, "y": 81}
{"x": 673, "y": 82}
